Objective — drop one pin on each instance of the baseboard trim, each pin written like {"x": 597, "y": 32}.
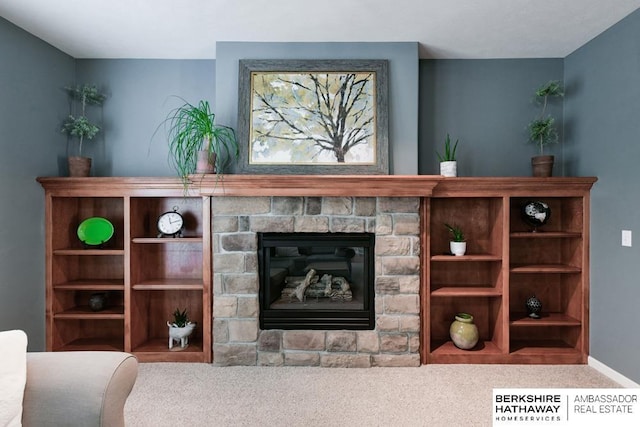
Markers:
{"x": 611, "y": 373}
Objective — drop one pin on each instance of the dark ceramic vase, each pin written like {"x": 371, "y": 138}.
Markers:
{"x": 98, "y": 301}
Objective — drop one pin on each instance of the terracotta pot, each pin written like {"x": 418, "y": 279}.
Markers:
{"x": 205, "y": 162}
{"x": 542, "y": 166}
{"x": 79, "y": 166}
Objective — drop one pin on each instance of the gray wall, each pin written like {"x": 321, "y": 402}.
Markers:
{"x": 602, "y": 112}
{"x": 140, "y": 95}
{"x": 403, "y": 85}
{"x": 486, "y": 105}
{"x": 32, "y": 107}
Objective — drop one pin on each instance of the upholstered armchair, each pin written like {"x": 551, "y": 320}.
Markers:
{"x": 84, "y": 388}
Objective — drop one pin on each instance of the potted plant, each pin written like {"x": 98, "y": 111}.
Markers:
{"x": 458, "y": 244}
{"x": 180, "y": 329}
{"x": 196, "y": 143}
{"x": 80, "y": 126}
{"x": 542, "y": 130}
{"x": 448, "y": 163}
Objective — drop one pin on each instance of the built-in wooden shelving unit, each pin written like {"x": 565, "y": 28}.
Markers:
{"x": 148, "y": 277}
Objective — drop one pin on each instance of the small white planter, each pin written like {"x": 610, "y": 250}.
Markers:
{"x": 458, "y": 248}
{"x": 180, "y": 335}
{"x": 449, "y": 169}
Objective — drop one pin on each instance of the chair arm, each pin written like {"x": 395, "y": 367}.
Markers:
{"x": 84, "y": 388}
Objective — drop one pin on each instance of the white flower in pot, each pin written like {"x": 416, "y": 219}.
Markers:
{"x": 448, "y": 163}
{"x": 458, "y": 244}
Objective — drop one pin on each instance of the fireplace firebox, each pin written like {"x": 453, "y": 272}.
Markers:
{"x": 316, "y": 280}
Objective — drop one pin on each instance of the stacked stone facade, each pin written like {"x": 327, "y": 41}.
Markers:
{"x": 237, "y": 337}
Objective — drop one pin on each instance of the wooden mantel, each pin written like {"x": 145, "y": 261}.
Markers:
{"x": 319, "y": 185}
{"x": 316, "y": 185}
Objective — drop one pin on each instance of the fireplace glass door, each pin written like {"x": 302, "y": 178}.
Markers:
{"x": 316, "y": 280}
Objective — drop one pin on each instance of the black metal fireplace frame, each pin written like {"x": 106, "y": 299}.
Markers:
{"x": 319, "y": 319}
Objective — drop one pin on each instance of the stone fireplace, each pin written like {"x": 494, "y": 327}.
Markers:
{"x": 238, "y": 336}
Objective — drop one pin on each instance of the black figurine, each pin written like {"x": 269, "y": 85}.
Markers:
{"x": 534, "y": 307}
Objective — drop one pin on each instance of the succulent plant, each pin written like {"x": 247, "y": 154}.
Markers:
{"x": 457, "y": 234}
{"x": 449, "y": 153}
{"x": 180, "y": 318}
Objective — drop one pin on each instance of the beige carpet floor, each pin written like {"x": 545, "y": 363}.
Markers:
{"x": 178, "y": 394}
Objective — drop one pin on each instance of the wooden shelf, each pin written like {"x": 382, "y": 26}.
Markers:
{"x": 111, "y": 313}
{"x": 466, "y": 258}
{"x": 545, "y": 268}
{"x": 545, "y": 235}
{"x": 522, "y": 352}
{"x": 550, "y": 352}
{"x": 88, "y": 252}
{"x": 93, "y": 344}
{"x": 169, "y": 284}
{"x": 161, "y": 345}
{"x": 157, "y": 350}
{"x": 466, "y": 291}
{"x": 167, "y": 240}
{"x": 91, "y": 285}
{"x": 483, "y": 352}
{"x": 541, "y": 346}
{"x": 448, "y": 348}
{"x": 546, "y": 351}
{"x": 547, "y": 319}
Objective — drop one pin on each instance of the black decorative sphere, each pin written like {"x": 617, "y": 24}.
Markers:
{"x": 534, "y": 307}
{"x": 536, "y": 213}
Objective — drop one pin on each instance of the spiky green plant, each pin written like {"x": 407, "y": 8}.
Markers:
{"x": 191, "y": 129}
{"x": 180, "y": 318}
{"x": 457, "y": 235}
{"x": 80, "y": 126}
{"x": 449, "y": 153}
{"x": 542, "y": 130}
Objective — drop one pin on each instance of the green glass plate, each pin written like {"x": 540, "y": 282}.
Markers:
{"x": 95, "y": 231}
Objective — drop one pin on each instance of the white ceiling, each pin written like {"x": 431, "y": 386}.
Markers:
{"x": 189, "y": 29}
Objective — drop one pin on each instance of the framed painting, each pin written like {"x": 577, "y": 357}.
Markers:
{"x": 313, "y": 116}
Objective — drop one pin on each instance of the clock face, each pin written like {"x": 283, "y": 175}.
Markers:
{"x": 170, "y": 223}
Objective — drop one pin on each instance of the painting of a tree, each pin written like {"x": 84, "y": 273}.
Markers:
{"x": 314, "y": 120}
{"x": 313, "y": 117}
